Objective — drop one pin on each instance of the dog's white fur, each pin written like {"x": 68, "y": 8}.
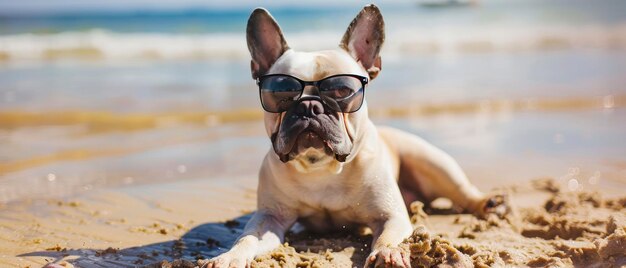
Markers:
{"x": 326, "y": 194}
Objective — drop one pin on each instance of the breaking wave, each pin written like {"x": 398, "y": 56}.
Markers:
{"x": 100, "y": 44}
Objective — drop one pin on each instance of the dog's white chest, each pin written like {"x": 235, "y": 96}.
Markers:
{"x": 327, "y": 205}
{"x": 332, "y": 200}
{"x": 323, "y": 220}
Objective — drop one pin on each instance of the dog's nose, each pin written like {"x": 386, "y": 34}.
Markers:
{"x": 309, "y": 108}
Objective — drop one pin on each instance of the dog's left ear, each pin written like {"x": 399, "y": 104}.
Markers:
{"x": 364, "y": 39}
{"x": 265, "y": 41}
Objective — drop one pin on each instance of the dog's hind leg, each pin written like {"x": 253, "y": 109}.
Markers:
{"x": 428, "y": 173}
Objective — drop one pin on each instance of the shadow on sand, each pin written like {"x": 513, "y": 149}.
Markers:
{"x": 202, "y": 242}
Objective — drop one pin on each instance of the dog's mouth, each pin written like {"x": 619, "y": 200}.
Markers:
{"x": 307, "y": 139}
{"x": 323, "y": 132}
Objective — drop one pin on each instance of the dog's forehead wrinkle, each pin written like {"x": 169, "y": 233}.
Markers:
{"x": 317, "y": 65}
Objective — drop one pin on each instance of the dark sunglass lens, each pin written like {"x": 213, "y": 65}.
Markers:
{"x": 279, "y": 92}
{"x": 343, "y": 92}
{"x": 340, "y": 87}
{"x": 280, "y": 83}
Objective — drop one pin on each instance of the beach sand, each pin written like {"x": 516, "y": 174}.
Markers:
{"x": 182, "y": 224}
{"x": 563, "y": 229}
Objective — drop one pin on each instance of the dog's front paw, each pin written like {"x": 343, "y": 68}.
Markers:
{"x": 388, "y": 257}
{"x": 493, "y": 205}
{"x": 227, "y": 260}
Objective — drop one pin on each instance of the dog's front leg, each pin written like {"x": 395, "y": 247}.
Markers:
{"x": 388, "y": 234}
{"x": 264, "y": 232}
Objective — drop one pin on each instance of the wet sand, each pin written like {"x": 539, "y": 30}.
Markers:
{"x": 177, "y": 196}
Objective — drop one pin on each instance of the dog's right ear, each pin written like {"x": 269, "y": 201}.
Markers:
{"x": 265, "y": 41}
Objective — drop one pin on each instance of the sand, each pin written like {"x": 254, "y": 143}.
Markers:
{"x": 155, "y": 226}
{"x": 580, "y": 229}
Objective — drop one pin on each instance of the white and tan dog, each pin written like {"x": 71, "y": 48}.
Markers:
{"x": 331, "y": 170}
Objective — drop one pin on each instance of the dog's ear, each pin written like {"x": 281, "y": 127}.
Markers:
{"x": 365, "y": 37}
{"x": 265, "y": 41}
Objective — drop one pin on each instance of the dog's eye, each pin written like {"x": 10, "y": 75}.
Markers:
{"x": 339, "y": 92}
{"x": 340, "y": 87}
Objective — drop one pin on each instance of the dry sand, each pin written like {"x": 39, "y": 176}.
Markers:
{"x": 156, "y": 226}
{"x": 580, "y": 229}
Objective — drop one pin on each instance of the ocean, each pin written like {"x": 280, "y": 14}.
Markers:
{"x": 156, "y": 59}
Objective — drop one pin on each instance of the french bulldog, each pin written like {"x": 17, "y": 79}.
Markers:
{"x": 330, "y": 167}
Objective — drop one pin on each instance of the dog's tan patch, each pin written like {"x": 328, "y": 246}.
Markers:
{"x": 314, "y": 160}
{"x": 322, "y": 67}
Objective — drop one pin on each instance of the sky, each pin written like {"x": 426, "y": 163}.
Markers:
{"x": 61, "y": 6}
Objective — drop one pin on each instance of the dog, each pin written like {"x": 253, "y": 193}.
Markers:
{"x": 330, "y": 167}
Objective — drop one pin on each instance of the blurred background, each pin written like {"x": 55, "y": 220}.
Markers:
{"x": 102, "y": 94}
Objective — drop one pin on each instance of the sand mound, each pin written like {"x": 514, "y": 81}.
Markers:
{"x": 428, "y": 251}
{"x": 570, "y": 229}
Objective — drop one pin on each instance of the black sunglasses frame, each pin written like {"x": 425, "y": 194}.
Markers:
{"x": 364, "y": 80}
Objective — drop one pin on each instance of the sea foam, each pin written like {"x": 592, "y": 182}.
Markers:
{"x": 103, "y": 44}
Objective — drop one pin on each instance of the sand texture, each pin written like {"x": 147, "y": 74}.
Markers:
{"x": 549, "y": 227}
{"x": 580, "y": 229}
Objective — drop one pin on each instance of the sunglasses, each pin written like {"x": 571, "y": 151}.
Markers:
{"x": 342, "y": 92}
